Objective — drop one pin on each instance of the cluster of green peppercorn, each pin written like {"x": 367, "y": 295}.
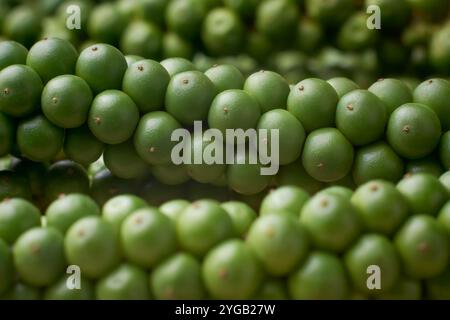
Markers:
{"x": 55, "y": 103}
{"x": 297, "y": 38}
{"x": 86, "y": 118}
{"x": 298, "y": 247}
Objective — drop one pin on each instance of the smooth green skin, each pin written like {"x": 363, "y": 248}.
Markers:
{"x": 291, "y": 135}
{"x": 64, "y": 177}
{"x": 413, "y": 130}
{"x": 152, "y": 138}
{"x": 105, "y": 23}
{"x": 13, "y": 185}
{"x": 246, "y": 178}
{"x": 269, "y": 88}
{"x": 123, "y": 161}
{"x": 7, "y": 135}
{"x": 132, "y": 59}
{"x": 6, "y": 266}
{"x": 174, "y": 208}
{"x": 313, "y": 102}
{"x": 332, "y": 222}
{"x": 126, "y": 282}
{"x": 223, "y": 32}
{"x": 309, "y": 35}
{"x": 339, "y": 191}
{"x": 354, "y": 34}
{"x": 439, "y": 52}
{"x": 396, "y": 13}
{"x": 175, "y": 46}
{"x": 372, "y": 249}
{"x": 20, "y": 90}
{"x": 444, "y": 150}
{"x": 170, "y": 174}
{"x": 327, "y": 155}
{"x": 22, "y": 24}
{"x": 444, "y": 216}
{"x": 233, "y": 109}
{"x": 147, "y": 237}
{"x": 423, "y": 246}
{"x": 272, "y": 289}
{"x": 225, "y": 77}
{"x": 39, "y": 256}
{"x": 68, "y": 209}
{"x": 113, "y": 117}
{"x": 17, "y": 216}
{"x": 202, "y": 225}
{"x": 321, "y": 277}
{"x": 241, "y": 214}
{"x": 445, "y": 180}
{"x": 178, "y": 278}
{"x": 142, "y": 38}
{"x": 329, "y": 13}
{"x": 377, "y": 161}
{"x": 285, "y": 198}
{"x": 424, "y": 193}
{"x": 146, "y": 82}
{"x": 203, "y": 172}
{"x": 12, "y": 52}
{"x": 177, "y": 65}
{"x": 404, "y": 289}
{"x": 342, "y": 85}
{"x": 277, "y": 19}
{"x": 92, "y": 244}
{"x": 438, "y": 288}
{"x": 81, "y": 146}
{"x": 66, "y": 101}
{"x": 295, "y": 175}
{"x": 21, "y": 291}
{"x": 361, "y": 116}
{"x": 185, "y": 17}
{"x": 392, "y": 92}
{"x": 188, "y": 96}
{"x": 60, "y": 291}
{"x": 52, "y": 57}
{"x": 381, "y": 207}
{"x": 424, "y": 165}
{"x": 38, "y": 139}
{"x": 118, "y": 208}
{"x": 102, "y": 66}
{"x": 231, "y": 271}
{"x": 435, "y": 94}
{"x": 279, "y": 242}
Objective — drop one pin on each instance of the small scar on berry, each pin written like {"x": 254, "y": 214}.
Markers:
{"x": 406, "y": 129}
